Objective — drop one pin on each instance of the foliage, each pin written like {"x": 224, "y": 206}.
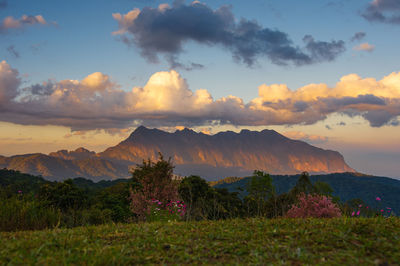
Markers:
{"x": 205, "y": 202}
{"x": 11, "y": 182}
{"x": 29, "y": 202}
{"x": 154, "y": 181}
{"x": 63, "y": 195}
{"x": 259, "y": 189}
{"x": 255, "y": 241}
{"x": 314, "y": 205}
{"x": 346, "y": 186}
{"x": 303, "y": 185}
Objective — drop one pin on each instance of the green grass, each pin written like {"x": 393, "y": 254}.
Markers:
{"x": 364, "y": 241}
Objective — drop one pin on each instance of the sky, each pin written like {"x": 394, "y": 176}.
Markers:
{"x": 87, "y": 73}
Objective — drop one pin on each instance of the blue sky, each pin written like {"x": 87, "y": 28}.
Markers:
{"x": 82, "y": 43}
{"x": 77, "y": 40}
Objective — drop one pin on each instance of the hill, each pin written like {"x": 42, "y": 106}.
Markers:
{"x": 210, "y": 156}
{"x": 346, "y": 186}
{"x": 15, "y": 181}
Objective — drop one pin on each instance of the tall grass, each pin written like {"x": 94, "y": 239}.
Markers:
{"x": 19, "y": 213}
{"x": 25, "y": 213}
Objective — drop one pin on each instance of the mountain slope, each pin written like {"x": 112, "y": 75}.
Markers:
{"x": 56, "y": 169}
{"x": 245, "y": 151}
{"x": 210, "y": 156}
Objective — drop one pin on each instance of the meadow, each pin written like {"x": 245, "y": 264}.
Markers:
{"x": 360, "y": 241}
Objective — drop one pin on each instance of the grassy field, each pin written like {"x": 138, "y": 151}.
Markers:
{"x": 370, "y": 241}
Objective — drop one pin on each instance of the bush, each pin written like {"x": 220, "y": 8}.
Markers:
{"x": 314, "y": 205}
{"x": 154, "y": 181}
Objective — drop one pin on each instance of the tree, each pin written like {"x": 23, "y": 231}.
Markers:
{"x": 260, "y": 190}
{"x": 63, "y": 195}
{"x": 153, "y": 182}
{"x": 303, "y": 185}
{"x": 205, "y": 202}
{"x": 323, "y": 188}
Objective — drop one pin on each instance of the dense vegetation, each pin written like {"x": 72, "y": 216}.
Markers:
{"x": 256, "y": 241}
{"x": 30, "y": 202}
{"x": 353, "y": 188}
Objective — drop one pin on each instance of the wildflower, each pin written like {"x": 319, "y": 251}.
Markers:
{"x": 381, "y": 210}
{"x": 359, "y": 206}
{"x": 19, "y": 191}
{"x": 352, "y": 214}
{"x": 358, "y": 213}
{"x": 378, "y": 198}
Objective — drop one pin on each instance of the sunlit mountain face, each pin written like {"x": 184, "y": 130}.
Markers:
{"x": 210, "y": 156}
{"x": 323, "y": 73}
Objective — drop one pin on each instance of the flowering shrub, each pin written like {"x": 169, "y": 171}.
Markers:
{"x": 172, "y": 211}
{"x": 153, "y": 181}
{"x": 317, "y": 206}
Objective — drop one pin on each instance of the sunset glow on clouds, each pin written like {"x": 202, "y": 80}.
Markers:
{"x": 10, "y": 22}
{"x": 97, "y": 102}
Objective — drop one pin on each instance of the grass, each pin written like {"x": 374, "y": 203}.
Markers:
{"x": 366, "y": 241}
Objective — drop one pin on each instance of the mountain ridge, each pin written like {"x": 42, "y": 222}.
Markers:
{"x": 211, "y": 156}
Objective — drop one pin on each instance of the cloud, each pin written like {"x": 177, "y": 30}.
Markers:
{"x": 12, "y": 23}
{"x": 364, "y": 47}
{"x": 82, "y": 134}
{"x": 9, "y": 84}
{"x": 298, "y": 135}
{"x": 383, "y": 11}
{"x": 166, "y": 29}
{"x": 12, "y": 51}
{"x": 97, "y": 102}
{"x": 358, "y": 36}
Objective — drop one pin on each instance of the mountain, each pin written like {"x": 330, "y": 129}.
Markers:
{"x": 56, "y": 169}
{"x": 227, "y": 153}
{"x": 346, "y": 186}
{"x": 210, "y": 156}
{"x": 78, "y": 154}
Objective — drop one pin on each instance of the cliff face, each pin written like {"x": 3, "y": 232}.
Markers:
{"x": 210, "y": 156}
{"x": 248, "y": 150}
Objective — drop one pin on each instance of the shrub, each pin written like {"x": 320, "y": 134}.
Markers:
{"x": 154, "y": 181}
{"x": 314, "y": 205}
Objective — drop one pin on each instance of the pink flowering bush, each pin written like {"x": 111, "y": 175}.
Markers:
{"x": 314, "y": 205}
{"x": 153, "y": 181}
{"x": 171, "y": 211}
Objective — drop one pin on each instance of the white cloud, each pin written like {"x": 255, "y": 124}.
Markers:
{"x": 97, "y": 102}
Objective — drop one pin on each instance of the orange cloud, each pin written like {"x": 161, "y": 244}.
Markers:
{"x": 96, "y": 102}
{"x": 364, "y": 47}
